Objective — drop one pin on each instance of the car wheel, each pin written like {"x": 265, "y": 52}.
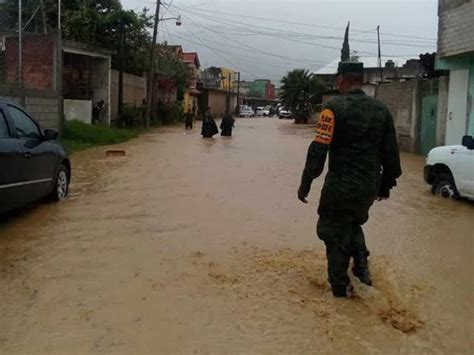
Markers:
{"x": 61, "y": 185}
{"x": 444, "y": 186}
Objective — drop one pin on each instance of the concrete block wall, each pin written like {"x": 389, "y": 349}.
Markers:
{"x": 455, "y": 27}
{"x": 134, "y": 91}
{"x": 44, "y": 110}
{"x": 400, "y": 98}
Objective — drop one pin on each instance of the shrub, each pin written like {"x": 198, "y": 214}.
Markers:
{"x": 168, "y": 114}
{"x": 132, "y": 116}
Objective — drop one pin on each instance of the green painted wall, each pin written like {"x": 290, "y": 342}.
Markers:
{"x": 257, "y": 89}
{"x": 463, "y": 61}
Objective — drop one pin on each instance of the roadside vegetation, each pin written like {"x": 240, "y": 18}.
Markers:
{"x": 78, "y": 135}
{"x": 299, "y": 86}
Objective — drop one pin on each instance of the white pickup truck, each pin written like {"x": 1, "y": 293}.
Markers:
{"x": 450, "y": 170}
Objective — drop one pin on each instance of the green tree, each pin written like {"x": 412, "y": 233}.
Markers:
{"x": 299, "y": 87}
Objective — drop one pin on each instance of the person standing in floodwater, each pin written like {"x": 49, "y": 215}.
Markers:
{"x": 189, "y": 118}
{"x": 364, "y": 163}
{"x": 209, "y": 126}
{"x": 227, "y": 125}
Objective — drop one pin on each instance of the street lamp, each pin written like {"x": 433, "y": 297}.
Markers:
{"x": 178, "y": 20}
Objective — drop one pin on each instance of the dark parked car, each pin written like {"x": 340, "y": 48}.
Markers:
{"x": 32, "y": 165}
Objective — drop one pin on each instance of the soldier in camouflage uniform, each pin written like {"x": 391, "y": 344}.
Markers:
{"x": 364, "y": 163}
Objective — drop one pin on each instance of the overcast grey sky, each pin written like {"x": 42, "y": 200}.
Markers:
{"x": 267, "y": 38}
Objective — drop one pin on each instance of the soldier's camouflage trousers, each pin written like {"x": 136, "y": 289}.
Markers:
{"x": 342, "y": 233}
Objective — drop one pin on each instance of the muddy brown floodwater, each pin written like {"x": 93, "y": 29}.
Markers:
{"x": 200, "y": 246}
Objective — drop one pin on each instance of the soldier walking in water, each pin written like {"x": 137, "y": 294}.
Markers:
{"x": 189, "y": 118}
{"x": 364, "y": 163}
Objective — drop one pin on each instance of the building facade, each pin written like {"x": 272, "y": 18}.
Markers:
{"x": 218, "y": 90}
{"x": 263, "y": 89}
{"x": 395, "y": 69}
{"x": 190, "y": 99}
{"x": 456, "y": 54}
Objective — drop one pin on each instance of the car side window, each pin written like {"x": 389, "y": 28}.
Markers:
{"x": 25, "y": 127}
{"x": 4, "y": 132}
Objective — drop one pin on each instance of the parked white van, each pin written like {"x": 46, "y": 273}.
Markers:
{"x": 450, "y": 170}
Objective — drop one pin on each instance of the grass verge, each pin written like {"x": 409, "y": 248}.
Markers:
{"x": 78, "y": 136}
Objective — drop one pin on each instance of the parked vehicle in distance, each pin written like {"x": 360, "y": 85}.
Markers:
{"x": 262, "y": 111}
{"x": 269, "y": 109}
{"x": 285, "y": 114}
{"x": 33, "y": 165}
{"x": 246, "y": 111}
{"x": 450, "y": 170}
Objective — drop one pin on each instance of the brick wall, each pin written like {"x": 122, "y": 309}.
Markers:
{"x": 400, "y": 98}
{"x": 38, "y": 60}
{"x": 455, "y": 27}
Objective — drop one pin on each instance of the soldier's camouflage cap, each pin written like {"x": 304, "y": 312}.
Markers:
{"x": 350, "y": 68}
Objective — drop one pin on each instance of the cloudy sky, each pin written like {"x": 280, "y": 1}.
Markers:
{"x": 266, "y": 38}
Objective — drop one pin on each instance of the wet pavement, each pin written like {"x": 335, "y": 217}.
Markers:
{"x": 200, "y": 246}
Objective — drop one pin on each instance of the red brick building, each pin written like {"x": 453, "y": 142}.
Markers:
{"x": 38, "y": 61}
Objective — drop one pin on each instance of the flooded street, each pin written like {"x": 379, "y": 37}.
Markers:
{"x": 200, "y": 246}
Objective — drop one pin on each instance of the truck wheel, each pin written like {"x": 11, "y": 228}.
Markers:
{"x": 444, "y": 186}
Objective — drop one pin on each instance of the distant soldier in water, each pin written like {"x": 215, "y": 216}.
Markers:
{"x": 227, "y": 125}
{"x": 209, "y": 126}
{"x": 188, "y": 119}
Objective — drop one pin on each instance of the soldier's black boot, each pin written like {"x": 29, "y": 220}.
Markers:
{"x": 342, "y": 291}
{"x": 361, "y": 268}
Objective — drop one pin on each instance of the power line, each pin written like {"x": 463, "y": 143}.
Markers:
{"x": 165, "y": 31}
{"x": 291, "y": 35}
{"x": 292, "y": 40}
{"x": 246, "y": 58}
{"x": 217, "y": 52}
{"x": 248, "y": 31}
{"x": 244, "y": 45}
{"x": 299, "y": 23}
{"x": 270, "y": 54}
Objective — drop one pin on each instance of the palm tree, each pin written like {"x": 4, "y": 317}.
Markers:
{"x": 299, "y": 87}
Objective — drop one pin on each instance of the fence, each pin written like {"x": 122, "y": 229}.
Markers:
{"x": 30, "y": 57}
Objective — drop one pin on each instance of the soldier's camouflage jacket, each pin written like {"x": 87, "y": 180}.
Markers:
{"x": 359, "y": 134}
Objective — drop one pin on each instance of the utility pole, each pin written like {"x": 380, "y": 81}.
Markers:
{"x": 229, "y": 93}
{"x": 59, "y": 15}
{"x": 380, "y": 54}
{"x": 151, "y": 74}
{"x": 20, "y": 42}
{"x": 43, "y": 17}
{"x": 122, "y": 68}
{"x": 237, "y": 109}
